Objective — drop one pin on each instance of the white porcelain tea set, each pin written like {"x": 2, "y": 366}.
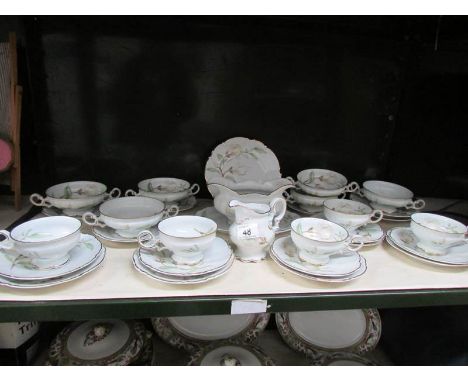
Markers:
{"x": 432, "y": 238}
{"x": 47, "y": 251}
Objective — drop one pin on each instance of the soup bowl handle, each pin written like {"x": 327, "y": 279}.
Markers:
{"x": 40, "y": 201}
{"x": 195, "y": 189}
{"x": 170, "y": 211}
{"x": 130, "y": 192}
{"x": 352, "y": 187}
{"x": 114, "y": 193}
{"x": 92, "y": 220}
{"x": 416, "y": 205}
{"x": 7, "y": 242}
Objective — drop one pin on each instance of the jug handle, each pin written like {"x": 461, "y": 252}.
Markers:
{"x": 278, "y": 208}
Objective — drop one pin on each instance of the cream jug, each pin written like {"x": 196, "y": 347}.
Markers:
{"x": 253, "y": 230}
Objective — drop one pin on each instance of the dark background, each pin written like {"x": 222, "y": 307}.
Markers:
{"x": 121, "y": 99}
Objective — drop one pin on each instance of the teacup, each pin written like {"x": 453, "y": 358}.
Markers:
{"x": 129, "y": 215}
{"x": 350, "y": 214}
{"x": 318, "y": 239}
{"x": 320, "y": 182}
{"x": 186, "y": 236}
{"x": 45, "y": 241}
{"x": 307, "y": 200}
{"x": 436, "y": 233}
{"x": 73, "y": 197}
{"x": 390, "y": 196}
{"x": 165, "y": 189}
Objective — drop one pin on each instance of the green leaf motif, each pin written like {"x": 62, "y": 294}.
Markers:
{"x": 68, "y": 192}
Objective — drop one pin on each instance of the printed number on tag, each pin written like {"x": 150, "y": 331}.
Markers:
{"x": 247, "y": 231}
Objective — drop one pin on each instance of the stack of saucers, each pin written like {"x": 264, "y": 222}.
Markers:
{"x": 319, "y": 250}
{"x": 168, "y": 190}
{"x": 73, "y": 198}
{"x": 185, "y": 251}
{"x": 315, "y": 186}
{"x": 432, "y": 238}
{"x": 47, "y": 251}
{"x": 395, "y": 201}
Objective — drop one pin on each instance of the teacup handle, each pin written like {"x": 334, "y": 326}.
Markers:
{"x": 376, "y": 216}
{"x": 6, "y": 243}
{"x": 278, "y": 206}
{"x": 356, "y": 243}
{"x": 195, "y": 189}
{"x": 352, "y": 187}
{"x": 170, "y": 211}
{"x": 114, "y": 193}
{"x": 416, "y": 205}
{"x": 91, "y": 219}
{"x": 342, "y": 195}
{"x": 147, "y": 240}
{"x": 360, "y": 193}
{"x": 130, "y": 192}
{"x": 39, "y": 201}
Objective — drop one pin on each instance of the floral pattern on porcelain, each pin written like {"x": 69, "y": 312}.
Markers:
{"x": 365, "y": 344}
{"x": 197, "y": 358}
{"x": 221, "y": 165}
{"x": 100, "y": 331}
{"x": 353, "y": 209}
{"x": 442, "y": 226}
{"x": 323, "y": 233}
{"x": 135, "y": 347}
{"x": 325, "y": 181}
{"x": 173, "y": 337}
{"x": 168, "y": 187}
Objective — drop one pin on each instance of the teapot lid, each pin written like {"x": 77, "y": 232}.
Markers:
{"x": 99, "y": 342}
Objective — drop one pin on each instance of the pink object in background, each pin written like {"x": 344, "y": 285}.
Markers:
{"x": 6, "y": 154}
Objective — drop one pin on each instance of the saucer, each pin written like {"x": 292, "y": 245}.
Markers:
{"x": 341, "y": 264}
{"x": 82, "y": 255}
{"x": 214, "y": 258}
{"x": 54, "y": 211}
{"x": 179, "y": 280}
{"x": 185, "y": 204}
{"x": 33, "y": 284}
{"x": 223, "y": 222}
{"x": 110, "y": 234}
{"x": 305, "y": 210}
{"x": 403, "y": 239}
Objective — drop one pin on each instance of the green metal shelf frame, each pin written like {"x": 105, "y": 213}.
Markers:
{"x": 73, "y": 310}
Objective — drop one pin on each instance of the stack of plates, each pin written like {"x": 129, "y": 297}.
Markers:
{"x": 158, "y": 264}
{"x": 343, "y": 359}
{"x": 343, "y": 266}
{"x": 191, "y": 333}
{"x": 320, "y": 333}
{"x": 403, "y": 239}
{"x": 84, "y": 258}
{"x": 223, "y": 222}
